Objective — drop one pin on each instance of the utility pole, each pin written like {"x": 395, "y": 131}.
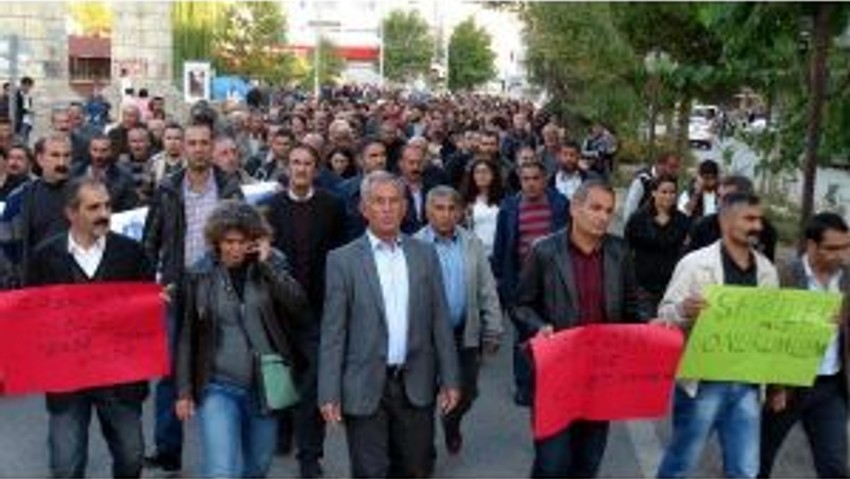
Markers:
{"x": 12, "y": 100}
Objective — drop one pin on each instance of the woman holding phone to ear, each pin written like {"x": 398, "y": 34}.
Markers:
{"x": 241, "y": 304}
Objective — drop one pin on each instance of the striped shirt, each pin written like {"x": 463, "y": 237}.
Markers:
{"x": 535, "y": 221}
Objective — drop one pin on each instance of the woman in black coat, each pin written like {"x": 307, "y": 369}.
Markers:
{"x": 656, "y": 234}
{"x": 241, "y": 305}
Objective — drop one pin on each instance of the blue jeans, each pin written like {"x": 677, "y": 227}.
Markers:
{"x": 68, "y": 432}
{"x": 732, "y": 409}
{"x": 168, "y": 430}
{"x": 237, "y": 439}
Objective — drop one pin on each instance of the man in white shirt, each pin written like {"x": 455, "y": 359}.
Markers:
{"x": 701, "y": 197}
{"x": 88, "y": 253}
{"x": 822, "y": 408}
{"x": 568, "y": 177}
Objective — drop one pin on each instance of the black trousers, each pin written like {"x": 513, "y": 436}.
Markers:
{"x": 395, "y": 441}
{"x": 574, "y": 452}
{"x": 822, "y": 409}
{"x": 309, "y": 425}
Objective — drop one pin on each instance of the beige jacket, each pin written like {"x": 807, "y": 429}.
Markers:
{"x": 693, "y": 274}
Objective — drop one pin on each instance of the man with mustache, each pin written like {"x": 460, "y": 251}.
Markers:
{"x": 102, "y": 167}
{"x": 34, "y": 212}
{"x": 87, "y": 252}
{"x": 701, "y": 407}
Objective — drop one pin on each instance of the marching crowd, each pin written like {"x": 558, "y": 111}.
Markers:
{"x": 403, "y": 238}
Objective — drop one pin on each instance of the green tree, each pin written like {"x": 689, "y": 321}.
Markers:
{"x": 251, "y": 41}
{"x": 408, "y": 46}
{"x": 193, "y": 29}
{"x": 786, "y": 52}
{"x": 691, "y": 45}
{"x": 587, "y": 79}
{"x": 331, "y": 64}
{"x": 471, "y": 60}
{"x": 95, "y": 18}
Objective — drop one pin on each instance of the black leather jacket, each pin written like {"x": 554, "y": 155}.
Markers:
{"x": 271, "y": 293}
{"x": 164, "y": 236}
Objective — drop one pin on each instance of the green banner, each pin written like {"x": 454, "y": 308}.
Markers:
{"x": 760, "y": 335}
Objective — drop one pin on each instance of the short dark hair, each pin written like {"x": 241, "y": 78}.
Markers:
{"x": 285, "y": 133}
{"x": 821, "y": 222}
{"x": 572, "y": 145}
{"x": 742, "y": 184}
{"x": 708, "y": 167}
{"x": 533, "y": 164}
{"x": 736, "y": 199}
{"x": 317, "y": 159}
{"x": 366, "y": 143}
{"x": 76, "y": 185}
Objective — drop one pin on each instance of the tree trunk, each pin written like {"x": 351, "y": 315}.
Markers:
{"x": 818, "y": 75}
{"x": 682, "y": 128}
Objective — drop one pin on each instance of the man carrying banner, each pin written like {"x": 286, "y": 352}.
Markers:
{"x": 823, "y": 407}
{"x": 89, "y": 252}
{"x": 731, "y": 408}
{"x": 594, "y": 282}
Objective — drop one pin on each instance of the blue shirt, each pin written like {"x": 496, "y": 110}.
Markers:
{"x": 392, "y": 274}
{"x": 450, "y": 252}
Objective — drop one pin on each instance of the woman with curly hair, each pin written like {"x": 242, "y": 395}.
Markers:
{"x": 241, "y": 305}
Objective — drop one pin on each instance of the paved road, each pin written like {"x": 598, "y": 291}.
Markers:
{"x": 497, "y": 435}
{"x": 497, "y": 442}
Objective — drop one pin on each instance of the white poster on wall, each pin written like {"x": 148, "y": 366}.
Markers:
{"x": 196, "y": 81}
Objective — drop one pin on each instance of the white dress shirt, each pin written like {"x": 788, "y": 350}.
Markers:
{"x": 567, "y": 183}
{"x": 483, "y": 222}
{"x": 392, "y": 274}
{"x": 88, "y": 259}
{"x": 830, "y": 364}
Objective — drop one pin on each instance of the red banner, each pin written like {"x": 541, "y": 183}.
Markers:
{"x": 70, "y": 337}
{"x": 603, "y": 372}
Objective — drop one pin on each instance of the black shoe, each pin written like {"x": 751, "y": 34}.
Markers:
{"x": 311, "y": 470}
{"x": 166, "y": 462}
{"x": 522, "y": 399}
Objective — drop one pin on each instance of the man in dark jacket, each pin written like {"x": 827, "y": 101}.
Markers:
{"x": 308, "y": 223}
{"x": 89, "y": 253}
{"x": 534, "y": 212}
{"x": 706, "y": 230}
{"x": 34, "y": 212}
{"x": 598, "y": 285}
{"x": 173, "y": 238}
{"x": 101, "y": 166}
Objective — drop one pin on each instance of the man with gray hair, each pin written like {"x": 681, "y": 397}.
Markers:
{"x": 474, "y": 308}
{"x": 386, "y": 341}
{"x": 594, "y": 283}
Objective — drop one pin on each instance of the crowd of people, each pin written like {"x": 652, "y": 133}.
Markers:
{"x": 403, "y": 239}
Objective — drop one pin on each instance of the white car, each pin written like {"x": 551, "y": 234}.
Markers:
{"x": 700, "y": 134}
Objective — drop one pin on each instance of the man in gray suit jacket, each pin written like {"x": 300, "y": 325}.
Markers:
{"x": 474, "y": 309}
{"x": 580, "y": 275}
{"x": 386, "y": 341}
